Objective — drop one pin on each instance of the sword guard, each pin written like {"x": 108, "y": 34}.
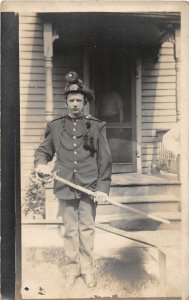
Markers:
{"x": 45, "y": 179}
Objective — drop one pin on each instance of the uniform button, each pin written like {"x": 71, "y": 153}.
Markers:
{"x": 75, "y": 152}
{"x": 74, "y": 137}
{"x": 74, "y": 123}
{"x": 75, "y": 162}
{"x": 74, "y": 129}
{"x": 75, "y": 171}
{"x": 74, "y": 145}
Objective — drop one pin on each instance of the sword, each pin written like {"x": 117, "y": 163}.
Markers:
{"x": 49, "y": 178}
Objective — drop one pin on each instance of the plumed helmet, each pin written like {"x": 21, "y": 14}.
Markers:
{"x": 75, "y": 85}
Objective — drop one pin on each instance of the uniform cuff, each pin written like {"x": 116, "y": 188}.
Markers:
{"x": 103, "y": 186}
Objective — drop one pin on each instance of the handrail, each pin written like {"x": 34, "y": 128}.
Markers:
{"x": 166, "y": 160}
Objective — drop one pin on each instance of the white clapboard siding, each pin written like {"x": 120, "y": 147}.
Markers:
{"x": 158, "y": 112}
{"x": 32, "y": 34}
{"x": 159, "y": 86}
{"x": 32, "y": 70}
{"x": 158, "y": 66}
{"x": 30, "y": 41}
{"x": 157, "y": 125}
{"x": 149, "y": 132}
{"x": 31, "y": 132}
{"x": 29, "y": 19}
{"x": 152, "y": 93}
{"x": 159, "y": 119}
{"x": 30, "y": 27}
{"x": 31, "y": 77}
{"x": 149, "y": 151}
{"x": 32, "y": 84}
{"x": 40, "y": 104}
{"x": 27, "y": 48}
{"x": 158, "y": 100}
{"x": 158, "y": 73}
{"x": 158, "y": 79}
{"x": 32, "y": 55}
{"x": 27, "y": 153}
{"x": 159, "y": 106}
{"x": 32, "y": 87}
{"x": 29, "y": 146}
{"x": 32, "y": 63}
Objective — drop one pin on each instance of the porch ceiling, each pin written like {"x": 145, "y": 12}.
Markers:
{"x": 110, "y": 29}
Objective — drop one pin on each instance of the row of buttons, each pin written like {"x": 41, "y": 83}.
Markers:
{"x": 75, "y": 152}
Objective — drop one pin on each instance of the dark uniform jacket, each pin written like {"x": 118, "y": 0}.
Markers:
{"x": 82, "y": 152}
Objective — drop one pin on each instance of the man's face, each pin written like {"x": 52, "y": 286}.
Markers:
{"x": 75, "y": 103}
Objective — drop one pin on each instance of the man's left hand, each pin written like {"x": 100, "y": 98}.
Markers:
{"x": 100, "y": 196}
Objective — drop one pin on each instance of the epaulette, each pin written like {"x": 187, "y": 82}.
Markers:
{"x": 89, "y": 117}
{"x": 63, "y": 116}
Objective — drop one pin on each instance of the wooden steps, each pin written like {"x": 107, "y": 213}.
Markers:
{"x": 146, "y": 203}
{"x": 135, "y": 179}
{"x": 145, "y": 192}
{"x": 145, "y": 198}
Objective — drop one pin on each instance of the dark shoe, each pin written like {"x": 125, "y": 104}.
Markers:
{"x": 70, "y": 281}
{"x": 89, "y": 280}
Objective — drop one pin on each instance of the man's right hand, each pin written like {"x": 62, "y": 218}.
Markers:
{"x": 42, "y": 170}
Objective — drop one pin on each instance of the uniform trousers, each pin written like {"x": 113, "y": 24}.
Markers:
{"x": 79, "y": 220}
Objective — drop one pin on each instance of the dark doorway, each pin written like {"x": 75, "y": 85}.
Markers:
{"x": 111, "y": 77}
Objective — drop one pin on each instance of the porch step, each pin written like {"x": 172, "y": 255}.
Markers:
{"x": 138, "y": 223}
{"x": 135, "y": 179}
{"x": 145, "y": 190}
{"x": 146, "y": 203}
{"x": 144, "y": 184}
{"x": 145, "y": 198}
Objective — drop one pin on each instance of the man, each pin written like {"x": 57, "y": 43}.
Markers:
{"x": 83, "y": 157}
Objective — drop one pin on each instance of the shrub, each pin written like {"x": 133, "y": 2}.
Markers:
{"x": 34, "y": 199}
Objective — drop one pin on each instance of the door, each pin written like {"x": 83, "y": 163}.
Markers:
{"x": 111, "y": 77}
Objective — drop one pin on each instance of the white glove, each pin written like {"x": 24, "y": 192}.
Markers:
{"x": 42, "y": 169}
{"x": 100, "y": 196}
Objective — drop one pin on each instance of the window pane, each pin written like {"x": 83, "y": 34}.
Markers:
{"x": 120, "y": 142}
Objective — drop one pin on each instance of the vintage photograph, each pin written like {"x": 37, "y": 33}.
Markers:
{"x": 100, "y": 151}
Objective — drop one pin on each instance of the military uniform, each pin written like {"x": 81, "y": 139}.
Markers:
{"x": 83, "y": 157}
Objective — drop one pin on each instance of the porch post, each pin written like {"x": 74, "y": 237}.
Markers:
{"x": 138, "y": 114}
{"x": 185, "y": 149}
{"x": 177, "y": 57}
{"x": 48, "y": 53}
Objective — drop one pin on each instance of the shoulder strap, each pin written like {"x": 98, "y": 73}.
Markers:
{"x": 63, "y": 116}
{"x": 89, "y": 117}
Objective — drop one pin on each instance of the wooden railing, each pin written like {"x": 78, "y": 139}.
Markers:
{"x": 165, "y": 160}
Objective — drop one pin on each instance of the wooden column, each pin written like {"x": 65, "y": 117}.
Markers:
{"x": 177, "y": 57}
{"x": 139, "y": 115}
{"x": 48, "y": 53}
{"x": 184, "y": 73}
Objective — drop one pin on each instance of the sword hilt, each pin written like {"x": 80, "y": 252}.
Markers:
{"x": 46, "y": 178}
